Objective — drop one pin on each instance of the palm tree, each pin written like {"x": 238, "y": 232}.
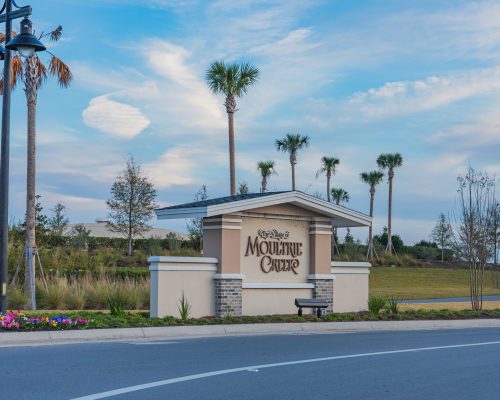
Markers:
{"x": 372, "y": 178}
{"x": 390, "y": 162}
{"x": 340, "y": 196}
{"x": 266, "y": 169}
{"x": 292, "y": 143}
{"x": 231, "y": 80}
{"x": 34, "y": 73}
{"x": 328, "y": 165}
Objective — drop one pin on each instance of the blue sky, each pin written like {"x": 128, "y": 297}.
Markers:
{"x": 360, "y": 78}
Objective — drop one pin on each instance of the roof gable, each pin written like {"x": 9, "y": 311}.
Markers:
{"x": 341, "y": 216}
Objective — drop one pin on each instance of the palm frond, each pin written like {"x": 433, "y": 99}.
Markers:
{"x": 42, "y": 70}
{"x": 61, "y": 71}
{"x": 339, "y": 195}
{"x": 266, "y": 168}
{"x": 55, "y": 35}
{"x": 16, "y": 73}
{"x": 292, "y": 142}
{"x": 372, "y": 178}
{"x": 390, "y": 161}
{"x": 230, "y": 79}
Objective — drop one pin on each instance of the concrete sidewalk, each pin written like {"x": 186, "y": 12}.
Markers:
{"x": 176, "y": 332}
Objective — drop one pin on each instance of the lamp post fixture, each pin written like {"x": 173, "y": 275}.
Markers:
{"x": 26, "y": 43}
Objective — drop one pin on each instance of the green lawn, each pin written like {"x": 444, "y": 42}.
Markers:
{"x": 421, "y": 283}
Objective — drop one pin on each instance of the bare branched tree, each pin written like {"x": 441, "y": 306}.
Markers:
{"x": 471, "y": 229}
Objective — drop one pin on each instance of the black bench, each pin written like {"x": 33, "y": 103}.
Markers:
{"x": 311, "y": 303}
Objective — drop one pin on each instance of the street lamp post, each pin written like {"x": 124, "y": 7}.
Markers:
{"x": 23, "y": 44}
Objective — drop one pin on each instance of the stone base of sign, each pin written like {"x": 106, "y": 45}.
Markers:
{"x": 228, "y": 296}
{"x": 323, "y": 289}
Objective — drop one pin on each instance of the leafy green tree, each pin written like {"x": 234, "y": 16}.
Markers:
{"x": 339, "y": 196}
{"x": 372, "y": 178}
{"x": 328, "y": 166}
{"x": 80, "y": 237}
{"x": 383, "y": 239}
{"x": 132, "y": 203}
{"x": 58, "y": 221}
{"x": 390, "y": 162}
{"x": 174, "y": 241}
{"x": 266, "y": 169}
{"x": 195, "y": 225}
{"x": 442, "y": 234}
{"x": 291, "y": 144}
{"x": 231, "y": 80}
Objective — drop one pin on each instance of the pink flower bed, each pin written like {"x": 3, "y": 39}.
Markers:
{"x": 19, "y": 321}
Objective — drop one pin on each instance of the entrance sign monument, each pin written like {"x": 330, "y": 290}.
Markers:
{"x": 261, "y": 251}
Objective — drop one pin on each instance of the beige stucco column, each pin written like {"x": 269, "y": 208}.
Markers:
{"x": 320, "y": 237}
{"x": 221, "y": 239}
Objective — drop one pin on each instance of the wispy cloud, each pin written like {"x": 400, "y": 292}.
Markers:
{"x": 477, "y": 131}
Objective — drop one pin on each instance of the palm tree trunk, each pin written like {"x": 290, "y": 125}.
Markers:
{"x": 232, "y": 173}
{"x": 293, "y": 161}
{"x": 328, "y": 194}
{"x": 30, "y": 237}
{"x": 370, "y": 231}
{"x": 389, "y": 222}
{"x": 263, "y": 185}
{"x": 31, "y": 87}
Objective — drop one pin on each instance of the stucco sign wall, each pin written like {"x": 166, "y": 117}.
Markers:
{"x": 274, "y": 250}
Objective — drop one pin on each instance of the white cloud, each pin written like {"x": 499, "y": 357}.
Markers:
{"x": 115, "y": 118}
{"x": 407, "y": 97}
{"x": 175, "y": 167}
{"x": 185, "y": 96}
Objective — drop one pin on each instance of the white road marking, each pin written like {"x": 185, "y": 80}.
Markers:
{"x": 150, "y": 343}
{"x": 129, "y": 389}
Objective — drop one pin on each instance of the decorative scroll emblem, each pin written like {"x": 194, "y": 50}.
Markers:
{"x": 276, "y": 254}
{"x": 273, "y": 234}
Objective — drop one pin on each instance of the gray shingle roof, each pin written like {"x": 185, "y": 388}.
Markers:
{"x": 221, "y": 200}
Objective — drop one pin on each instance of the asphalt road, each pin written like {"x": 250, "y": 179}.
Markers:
{"x": 438, "y": 364}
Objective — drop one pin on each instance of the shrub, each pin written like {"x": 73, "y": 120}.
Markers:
{"x": 376, "y": 304}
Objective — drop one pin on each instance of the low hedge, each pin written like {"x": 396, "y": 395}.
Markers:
{"x": 100, "y": 319}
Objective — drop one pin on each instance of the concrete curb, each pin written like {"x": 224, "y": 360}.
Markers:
{"x": 169, "y": 332}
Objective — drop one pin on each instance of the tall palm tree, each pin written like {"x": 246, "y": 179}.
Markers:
{"x": 266, "y": 169}
{"x": 33, "y": 73}
{"x": 328, "y": 165}
{"x": 390, "y": 162}
{"x": 231, "y": 80}
{"x": 291, "y": 144}
{"x": 339, "y": 195}
{"x": 372, "y": 178}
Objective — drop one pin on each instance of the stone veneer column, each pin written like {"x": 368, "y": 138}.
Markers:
{"x": 228, "y": 295}
{"x": 320, "y": 236}
{"x": 323, "y": 289}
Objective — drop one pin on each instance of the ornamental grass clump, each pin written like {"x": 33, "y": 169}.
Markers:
{"x": 392, "y": 305}
{"x": 376, "y": 304}
{"x": 19, "y": 321}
